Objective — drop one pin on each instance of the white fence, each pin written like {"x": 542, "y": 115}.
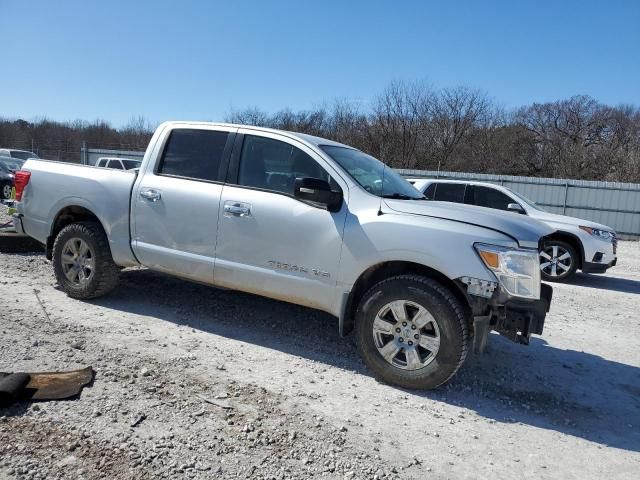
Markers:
{"x": 614, "y": 204}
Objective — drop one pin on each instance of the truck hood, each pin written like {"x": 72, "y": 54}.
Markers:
{"x": 524, "y": 230}
{"x": 565, "y": 220}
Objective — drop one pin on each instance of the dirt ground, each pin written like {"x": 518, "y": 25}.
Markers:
{"x": 293, "y": 398}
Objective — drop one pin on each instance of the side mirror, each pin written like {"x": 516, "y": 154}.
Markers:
{"x": 317, "y": 193}
{"x": 515, "y": 207}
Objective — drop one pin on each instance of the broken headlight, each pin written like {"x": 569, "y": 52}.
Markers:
{"x": 518, "y": 271}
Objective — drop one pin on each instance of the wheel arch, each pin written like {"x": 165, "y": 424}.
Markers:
{"x": 572, "y": 240}
{"x": 66, "y": 216}
{"x": 387, "y": 269}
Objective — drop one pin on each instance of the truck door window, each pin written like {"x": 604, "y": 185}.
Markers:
{"x": 275, "y": 165}
{"x": 194, "y": 153}
{"x": 491, "y": 198}
{"x": 450, "y": 192}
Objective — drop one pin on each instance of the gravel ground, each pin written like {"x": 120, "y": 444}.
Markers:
{"x": 299, "y": 402}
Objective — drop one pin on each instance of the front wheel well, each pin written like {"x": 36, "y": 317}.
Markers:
{"x": 385, "y": 270}
{"x": 67, "y": 216}
{"x": 571, "y": 240}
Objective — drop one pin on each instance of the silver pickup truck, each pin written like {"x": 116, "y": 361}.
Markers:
{"x": 304, "y": 220}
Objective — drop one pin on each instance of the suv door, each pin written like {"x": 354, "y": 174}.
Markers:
{"x": 269, "y": 242}
{"x": 449, "y": 192}
{"x": 176, "y": 202}
{"x": 488, "y": 197}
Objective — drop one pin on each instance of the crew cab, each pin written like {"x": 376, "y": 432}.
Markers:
{"x": 304, "y": 220}
{"x": 576, "y": 243}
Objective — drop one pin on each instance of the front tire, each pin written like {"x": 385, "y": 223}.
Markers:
{"x": 82, "y": 261}
{"x": 558, "y": 261}
{"x": 412, "y": 331}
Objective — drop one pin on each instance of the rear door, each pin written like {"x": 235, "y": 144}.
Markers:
{"x": 176, "y": 203}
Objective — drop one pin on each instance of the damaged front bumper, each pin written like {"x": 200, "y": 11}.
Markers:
{"x": 517, "y": 320}
{"x": 514, "y": 318}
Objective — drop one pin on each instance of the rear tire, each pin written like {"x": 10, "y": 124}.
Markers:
{"x": 558, "y": 261}
{"x": 82, "y": 261}
{"x": 424, "y": 349}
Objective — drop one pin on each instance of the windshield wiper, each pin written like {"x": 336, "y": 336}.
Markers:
{"x": 402, "y": 196}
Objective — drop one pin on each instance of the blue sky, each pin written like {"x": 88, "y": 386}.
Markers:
{"x": 200, "y": 59}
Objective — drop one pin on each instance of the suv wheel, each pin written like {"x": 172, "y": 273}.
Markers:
{"x": 82, "y": 261}
{"x": 558, "y": 261}
{"x": 411, "y": 331}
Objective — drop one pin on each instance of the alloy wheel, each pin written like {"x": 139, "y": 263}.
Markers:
{"x": 78, "y": 262}
{"x": 406, "y": 335}
{"x": 555, "y": 261}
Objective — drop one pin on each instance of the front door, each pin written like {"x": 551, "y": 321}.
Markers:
{"x": 269, "y": 242}
{"x": 176, "y": 203}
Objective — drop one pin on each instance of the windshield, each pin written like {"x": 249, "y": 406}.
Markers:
{"x": 23, "y": 155}
{"x": 528, "y": 202}
{"x": 373, "y": 175}
{"x": 11, "y": 165}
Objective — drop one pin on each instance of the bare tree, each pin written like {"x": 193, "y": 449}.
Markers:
{"x": 453, "y": 113}
{"x": 397, "y": 116}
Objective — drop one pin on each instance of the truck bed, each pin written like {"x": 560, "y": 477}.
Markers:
{"x": 56, "y": 186}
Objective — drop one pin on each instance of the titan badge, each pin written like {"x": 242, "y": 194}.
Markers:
{"x": 297, "y": 268}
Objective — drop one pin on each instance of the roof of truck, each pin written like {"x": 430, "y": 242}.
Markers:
{"x": 316, "y": 141}
{"x": 446, "y": 180}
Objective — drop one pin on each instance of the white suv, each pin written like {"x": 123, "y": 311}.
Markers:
{"x": 577, "y": 244}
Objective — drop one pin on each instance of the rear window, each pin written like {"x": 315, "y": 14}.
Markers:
{"x": 430, "y": 192}
{"x": 129, "y": 164}
{"x": 450, "y": 192}
{"x": 23, "y": 155}
{"x": 194, "y": 154}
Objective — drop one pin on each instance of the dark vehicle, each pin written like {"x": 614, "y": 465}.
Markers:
{"x": 6, "y": 182}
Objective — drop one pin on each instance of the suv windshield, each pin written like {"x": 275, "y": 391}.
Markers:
{"x": 373, "y": 175}
{"x": 528, "y": 202}
{"x": 11, "y": 164}
{"x": 23, "y": 155}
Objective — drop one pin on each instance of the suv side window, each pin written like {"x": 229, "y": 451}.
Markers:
{"x": 194, "y": 153}
{"x": 491, "y": 198}
{"x": 274, "y": 165}
{"x": 115, "y": 164}
{"x": 450, "y": 192}
{"x": 430, "y": 192}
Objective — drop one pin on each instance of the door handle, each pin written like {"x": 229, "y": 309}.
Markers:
{"x": 237, "y": 209}
{"x": 151, "y": 195}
